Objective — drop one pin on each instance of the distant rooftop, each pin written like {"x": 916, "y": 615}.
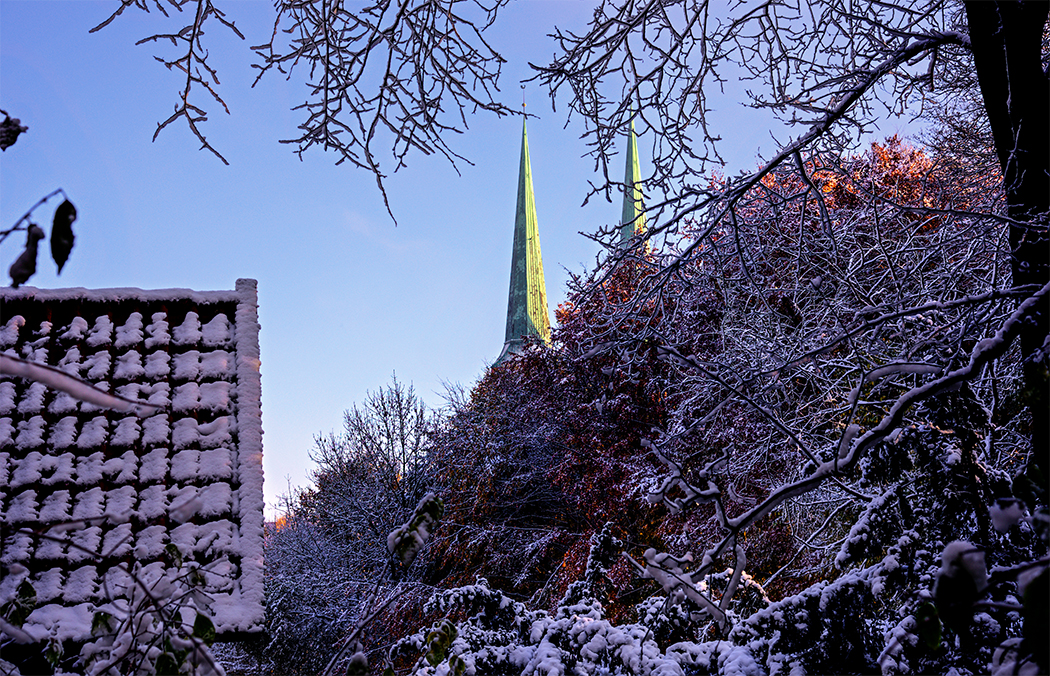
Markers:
{"x": 188, "y": 476}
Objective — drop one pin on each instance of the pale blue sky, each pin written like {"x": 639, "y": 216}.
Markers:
{"x": 346, "y": 298}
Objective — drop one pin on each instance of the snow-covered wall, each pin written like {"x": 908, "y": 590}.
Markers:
{"x": 111, "y": 490}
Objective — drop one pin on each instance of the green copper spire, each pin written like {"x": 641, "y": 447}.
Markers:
{"x": 632, "y": 221}
{"x": 527, "y": 304}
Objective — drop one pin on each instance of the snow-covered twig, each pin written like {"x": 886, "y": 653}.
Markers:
{"x": 984, "y": 352}
{"x": 73, "y": 386}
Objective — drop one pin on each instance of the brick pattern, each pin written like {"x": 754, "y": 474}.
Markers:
{"x": 140, "y": 484}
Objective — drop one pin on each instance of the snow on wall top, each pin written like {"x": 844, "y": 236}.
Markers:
{"x": 190, "y": 476}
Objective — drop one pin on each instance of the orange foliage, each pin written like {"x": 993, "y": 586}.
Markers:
{"x": 547, "y": 448}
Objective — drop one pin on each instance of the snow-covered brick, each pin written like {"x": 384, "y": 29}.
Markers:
{"x": 84, "y": 545}
{"x": 63, "y": 433}
{"x": 215, "y": 396}
{"x": 89, "y": 407}
{"x": 189, "y": 332}
{"x": 61, "y": 622}
{"x": 216, "y": 364}
{"x": 89, "y": 469}
{"x": 215, "y": 499}
{"x": 157, "y": 394}
{"x": 22, "y": 507}
{"x": 97, "y": 365}
{"x": 127, "y": 432}
{"x": 81, "y": 585}
{"x": 124, "y": 469}
{"x": 116, "y": 581}
{"x": 184, "y": 464}
{"x": 63, "y": 403}
{"x": 216, "y": 333}
{"x": 89, "y": 504}
{"x": 30, "y": 433}
{"x": 188, "y": 432}
{"x": 222, "y": 576}
{"x": 16, "y": 547}
{"x": 62, "y": 469}
{"x": 93, "y": 433}
{"x": 187, "y": 398}
{"x": 152, "y": 574}
{"x": 154, "y": 466}
{"x": 10, "y": 582}
{"x": 101, "y": 333}
{"x": 155, "y": 430}
{"x": 52, "y": 547}
{"x": 9, "y": 334}
{"x": 7, "y": 397}
{"x": 153, "y": 503}
{"x": 76, "y": 330}
{"x": 41, "y": 333}
{"x": 33, "y": 399}
{"x": 28, "y": 470}
{"x": 183, "y": 503}
{"x": 215, "y": 537}
{"x": 56, "y": 507}
{"x": 120, "y": 504}
{"x": 215, "y": 434}
{"x": 187, "y": 365}
{"x": 149, "y": 542}
{"x": 129, "y": 391}
{"x": 7, "y": 432}
{"x": 48, "y": 584}
{"x": 117, "y": 541}
{"x": 32, "y": 353}
{"x": 129, "y": 366}
{"x": 215, "y": 464}
{"x": 71, "y": 362}
{"x": 130, "y": 332}
{"x": 158, "y": 365}
{"x": 158, "y": 330}
{"x": 184, "y": 537}
{"x": 184, "y": 433}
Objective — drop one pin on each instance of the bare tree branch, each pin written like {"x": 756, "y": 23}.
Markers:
{"x": 399, "y": 73}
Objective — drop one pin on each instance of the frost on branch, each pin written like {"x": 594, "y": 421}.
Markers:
{"x": 603, "y": 552}
{"x": 75, "y": 387}
{"x": 405, "y": 541}
{"x": 961, "y": 579}
{"x": 1006, "y": 513}
{"x": 164, "y": 626}
{"x": 869, "y": 534}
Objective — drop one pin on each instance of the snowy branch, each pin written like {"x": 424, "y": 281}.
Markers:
{"x": 73, "y": 386}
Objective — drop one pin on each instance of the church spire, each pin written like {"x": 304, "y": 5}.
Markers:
{"x": 632, "y": 221}
{"x": 527, "y": 303}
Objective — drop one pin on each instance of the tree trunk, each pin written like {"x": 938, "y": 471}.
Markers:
{"x": 1006, "y": 38}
